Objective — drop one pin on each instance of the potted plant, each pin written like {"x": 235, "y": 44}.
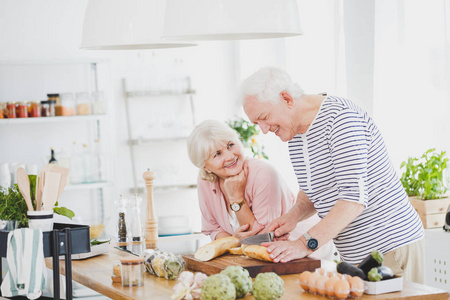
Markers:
{"x": 248, "y": 134}
{"x": 425, "y": 182}
{"x": 13, "y": 208}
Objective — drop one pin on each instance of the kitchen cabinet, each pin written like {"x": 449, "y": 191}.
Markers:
{"x": 28, "y": 140}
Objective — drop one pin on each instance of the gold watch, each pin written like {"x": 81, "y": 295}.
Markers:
{"x": 237, "y": 205}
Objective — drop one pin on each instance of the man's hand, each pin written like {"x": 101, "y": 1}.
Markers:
{"x": 282, "y": 225}
{"x": 235, "y": 185}
{"x": 242, "y": 232}
{"x": 285, "y": 251}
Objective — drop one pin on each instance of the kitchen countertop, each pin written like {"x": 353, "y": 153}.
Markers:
{"x": 95, "y": 273}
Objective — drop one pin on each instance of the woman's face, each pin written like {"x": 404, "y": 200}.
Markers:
{"x": 225, "y": 161}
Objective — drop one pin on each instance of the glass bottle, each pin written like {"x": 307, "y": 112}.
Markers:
{"x": 100, "y": 163}
{"x": 136, "y": 225}
{"x": 76, "y": 165}
{"x": 121, "y": 204}
{"x": 98, "y": 104}
{"x": 52, "y": 157}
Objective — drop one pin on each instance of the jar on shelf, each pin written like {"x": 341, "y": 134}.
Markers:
{"x": 22, "y": 109}
{"x": 48, "y": 108}
{"x": 11, "y": 110}
{"x": 2, "y": 110}
{"x": 83, "y": 103}
{"x": 132, "y": 271}
{"x": 35, "y": 111}
{"x": 98, "y": 103}
{"x": 67, "y": 107}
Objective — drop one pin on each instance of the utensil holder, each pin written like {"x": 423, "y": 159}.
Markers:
{"x": 41, "y": 219}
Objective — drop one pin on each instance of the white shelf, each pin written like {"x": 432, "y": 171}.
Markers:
{"x": 51, "y": 119}
{"x": 87, "y": 186}
{"x": 154, "y": 140}
{"x": 51, "y": 62}
{"x": 159, "y": 188}
{"x": 133, "y": 94}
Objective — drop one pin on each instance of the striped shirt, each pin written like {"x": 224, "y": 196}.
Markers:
{"x": 342, "y": 156}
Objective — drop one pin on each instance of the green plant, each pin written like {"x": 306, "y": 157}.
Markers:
{"x": 14, "y": 207}
{"x": 424, "y": 176}
{"x": 248, "y": 133}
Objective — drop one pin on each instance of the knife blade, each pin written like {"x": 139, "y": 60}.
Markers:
{"x": 258, "y": 239}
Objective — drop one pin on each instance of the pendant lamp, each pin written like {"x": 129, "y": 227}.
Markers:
{"x": 200, "y": 20}
{"x": 125, "y": 24}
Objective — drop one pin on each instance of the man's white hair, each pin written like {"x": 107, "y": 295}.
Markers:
{"x": 267, "y": 84}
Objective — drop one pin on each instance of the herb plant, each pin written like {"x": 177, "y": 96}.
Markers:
{"x": 424, "y": 177}
{"x": 248, "y": 133}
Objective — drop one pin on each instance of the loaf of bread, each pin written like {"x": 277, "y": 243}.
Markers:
{"x": 257, "y": 252}
{"x": 216, "y": 248}
{"x": 236, "y": 251}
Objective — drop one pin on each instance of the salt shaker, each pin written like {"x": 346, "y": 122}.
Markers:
{"x": 136, "y": 225}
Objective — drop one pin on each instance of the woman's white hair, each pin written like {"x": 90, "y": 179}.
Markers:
{"x": 207, "y": 137}
{"x": 267, "y": 84}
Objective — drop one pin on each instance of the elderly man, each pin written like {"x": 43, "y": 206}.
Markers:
{"x": 344, "y": 174}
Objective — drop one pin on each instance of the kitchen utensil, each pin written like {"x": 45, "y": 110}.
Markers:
{"x": 64, "y": 173}
{"x": 258, "y": 239}
{"x": 24, "y": 186}
{"x": 40, "y": 189}
{"x": 253, "y": 266}
{"x": 51, "y": 188}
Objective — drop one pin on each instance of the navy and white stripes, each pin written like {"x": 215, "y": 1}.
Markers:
{"x": 343, "y": 156}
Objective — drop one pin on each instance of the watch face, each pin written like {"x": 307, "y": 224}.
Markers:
{"x": 235, "y": 206}
{"x": 312, "y": 244}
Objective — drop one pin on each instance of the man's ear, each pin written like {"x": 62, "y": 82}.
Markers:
{"x": 288, "y": 98}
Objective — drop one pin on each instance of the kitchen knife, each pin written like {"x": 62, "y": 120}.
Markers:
{"x": 258, "y": 239}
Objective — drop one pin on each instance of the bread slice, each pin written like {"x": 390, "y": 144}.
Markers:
{"x": 257, "y": 252}
{"x": 216, "y": 248}
{"x": 236, "y": 251}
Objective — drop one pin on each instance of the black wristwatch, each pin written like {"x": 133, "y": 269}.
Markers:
{"x": 311, "y": 242}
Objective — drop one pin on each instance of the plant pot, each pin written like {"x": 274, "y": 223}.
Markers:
{"x": 8, "y": 225}
{"x": 432, "y": 212}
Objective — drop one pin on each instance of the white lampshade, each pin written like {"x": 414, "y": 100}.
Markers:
{"x": 125, "y": 24}
{"x": 191, "y": 20}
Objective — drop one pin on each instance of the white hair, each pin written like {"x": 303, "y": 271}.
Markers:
{"x": 267, "y": 84}
{"x": 206, "y": 138}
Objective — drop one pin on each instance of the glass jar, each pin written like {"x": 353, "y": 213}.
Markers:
{"x": 122, "y": 231}
{"x": 11, "y": 110}
{"x": 83, "y": 103}
{"x": 22, "y": 110}
{"x": 132, "y": 271}
{"x": 48, "y": 108}
{"x": 116, "y": 272}
{"x": 35, "y": 111}
{"x": 2, "y": 110}
{"x": 98, "y": 103}
{"x": 67, "y": 107}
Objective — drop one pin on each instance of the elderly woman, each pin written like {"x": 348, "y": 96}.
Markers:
{"x": 239, "y": 196}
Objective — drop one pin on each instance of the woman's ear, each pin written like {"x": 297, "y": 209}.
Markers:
{"x": 206, "y": 170}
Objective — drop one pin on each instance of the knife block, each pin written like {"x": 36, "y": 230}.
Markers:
{"x": 151, "y": 224}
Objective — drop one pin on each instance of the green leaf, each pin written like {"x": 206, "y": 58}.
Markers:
{"x": 63, "y": 211}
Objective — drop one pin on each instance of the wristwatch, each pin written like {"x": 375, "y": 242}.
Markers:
{"x": 311, "y": 242}
{"x": 237, "y": 205}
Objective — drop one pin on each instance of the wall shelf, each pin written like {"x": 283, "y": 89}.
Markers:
{"x": 133, "y": 94}
{"x": 154, "y": 140}
{"x": 51, "y": 119}
{"x": 88, "y": 186}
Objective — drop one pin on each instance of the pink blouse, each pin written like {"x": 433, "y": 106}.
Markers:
{"x": 267, "y": 195}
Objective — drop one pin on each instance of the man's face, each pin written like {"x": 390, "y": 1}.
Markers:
{"x": 271, "y": 117}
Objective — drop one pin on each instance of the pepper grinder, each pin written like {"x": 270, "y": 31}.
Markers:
{"x": 121, "y": 222}
{"x": 151, "y": 224}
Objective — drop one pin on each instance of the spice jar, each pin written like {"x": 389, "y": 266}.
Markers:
{"x": 121, "y": 222}
{"x": 98, "y": 103}
{"x": 132, "y": 271}
{"x": 22, "y": 110}
{"x": 83, "y": 103}
{"x": 48, "y": 108}
{"x": 35, "y": 109}
{"x": 2, "y": 109}
{"x": 10, "y": 110}
{"x": 67, "y": 107}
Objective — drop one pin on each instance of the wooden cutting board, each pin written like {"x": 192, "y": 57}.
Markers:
{"x": 253, "y": 266}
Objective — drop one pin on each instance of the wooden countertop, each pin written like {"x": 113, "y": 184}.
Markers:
{"x": 95, "y": 273}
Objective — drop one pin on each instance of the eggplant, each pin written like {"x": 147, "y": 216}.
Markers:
{"x": 385, "y": 272}
{"x": 349, "y": 269}
{"x": 380, "y": 273}
{"x": 373, "y": 260}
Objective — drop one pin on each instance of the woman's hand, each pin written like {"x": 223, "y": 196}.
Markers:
{"x": 235, "y": 186}
{"x": 242, "y": 232}
{"x": 286, "y": 250}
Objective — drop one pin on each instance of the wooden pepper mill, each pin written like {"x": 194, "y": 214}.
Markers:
{"x": 151, "y": 224}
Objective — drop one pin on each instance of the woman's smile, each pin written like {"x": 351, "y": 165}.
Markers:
{"x": 232, "y": 164}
